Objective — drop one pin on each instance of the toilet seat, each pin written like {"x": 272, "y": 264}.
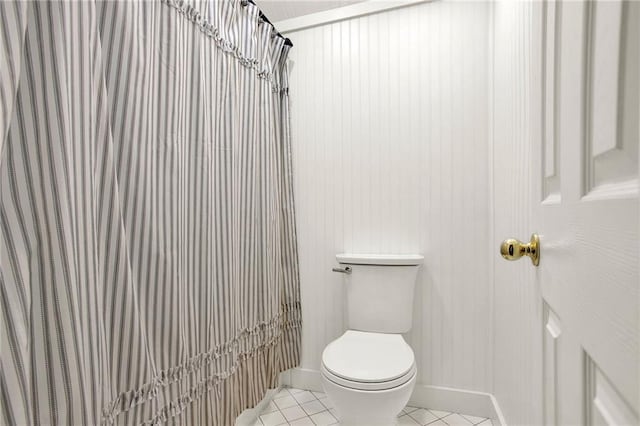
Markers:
{"x": 368, "y": 386}
{"x": 368, "y": 361}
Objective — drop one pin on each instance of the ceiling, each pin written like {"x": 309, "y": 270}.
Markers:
{"x": 278, "y": 10}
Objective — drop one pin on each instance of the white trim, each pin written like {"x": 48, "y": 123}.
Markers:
{"x": 463, "y": 401}
{"x": 249, "y": 417}
{"x": 491, "y": 33}
{"x": 474, "y": 403}
{"x": 498, "y": 417}
{"x": 627, "y": 189}
{"x": 341, "y": 13}
{"x": 303, "y": 378}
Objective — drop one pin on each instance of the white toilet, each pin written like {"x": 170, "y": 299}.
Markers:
{"x": 369, "y": 372}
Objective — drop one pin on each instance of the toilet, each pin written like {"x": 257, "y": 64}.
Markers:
{"x": 369, "y": 372}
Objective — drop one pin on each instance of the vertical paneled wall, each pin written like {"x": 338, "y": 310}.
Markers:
{"x": 390, "y": 122}
{"x": 517, "y": 306}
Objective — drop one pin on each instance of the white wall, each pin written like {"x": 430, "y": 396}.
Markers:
{"x": 517, "y": 302}
{"x": 390, "y": 134}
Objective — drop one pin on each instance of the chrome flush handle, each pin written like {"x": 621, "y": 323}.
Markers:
{"x": 345, "y": 270}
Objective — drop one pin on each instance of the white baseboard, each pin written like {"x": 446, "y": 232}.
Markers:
{"x": 249, "y": 416}
{"x": 474, "y": 403}
{"x": 498, "y": 419}
{"x": 302, "y": 378}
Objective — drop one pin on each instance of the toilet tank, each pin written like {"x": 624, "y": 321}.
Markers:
{"x": 380, "y": 291}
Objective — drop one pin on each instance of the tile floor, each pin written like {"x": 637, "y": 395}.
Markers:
{"x": 299, "y": 407}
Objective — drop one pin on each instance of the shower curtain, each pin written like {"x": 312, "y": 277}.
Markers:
{"x": 148, "y": 250}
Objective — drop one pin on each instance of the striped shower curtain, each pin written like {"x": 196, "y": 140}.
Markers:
{"x": 147, "y": 249}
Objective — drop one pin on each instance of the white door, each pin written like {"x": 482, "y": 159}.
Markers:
{"x": 585, "y": 179}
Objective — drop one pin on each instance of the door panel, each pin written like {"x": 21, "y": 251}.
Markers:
{"x": 605, "y": 405}
{"x": 585, "y": 142}
{"x": 611, "y": 101}
{"x": 550, "y": 144}
{"x": 551, "y": 341}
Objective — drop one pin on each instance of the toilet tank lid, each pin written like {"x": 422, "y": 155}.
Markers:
{"x": 380, "y": 259}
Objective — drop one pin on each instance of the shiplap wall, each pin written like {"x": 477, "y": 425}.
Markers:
{"x": 517, "y": 302}
{"x": 390, "y": 141}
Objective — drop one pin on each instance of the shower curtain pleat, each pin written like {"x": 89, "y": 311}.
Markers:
{"x": 148, "y": 258}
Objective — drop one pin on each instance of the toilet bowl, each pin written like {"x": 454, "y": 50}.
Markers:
{"x": 368, "y": 376}
{"x": 370, "y": 371}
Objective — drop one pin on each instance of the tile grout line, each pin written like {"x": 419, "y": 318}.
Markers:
{"x": 298, "y": 404}
{"x": 307, "y": 414}
{"x": 259, "y": 421}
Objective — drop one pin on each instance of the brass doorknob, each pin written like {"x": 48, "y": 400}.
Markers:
{"x": 512, "y": 249}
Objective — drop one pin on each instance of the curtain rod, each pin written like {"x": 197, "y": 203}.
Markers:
{"x": 262, "y": 16}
